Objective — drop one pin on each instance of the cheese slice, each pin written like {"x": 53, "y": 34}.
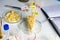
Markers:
{"x": 30, "y": 22}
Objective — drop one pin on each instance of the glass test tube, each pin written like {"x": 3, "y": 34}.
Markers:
{"x": 1, "y": 28}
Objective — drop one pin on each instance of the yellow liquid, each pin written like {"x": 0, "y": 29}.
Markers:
{"x": 0, "y": 28}
{"x": 0, "y": 34}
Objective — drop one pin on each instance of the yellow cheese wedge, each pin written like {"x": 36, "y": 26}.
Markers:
{"x": 30, "y": 22}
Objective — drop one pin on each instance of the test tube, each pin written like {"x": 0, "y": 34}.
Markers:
{"x": 1, "y": 28}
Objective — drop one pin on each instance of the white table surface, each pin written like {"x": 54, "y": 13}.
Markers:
{"x": 46, "y": 30}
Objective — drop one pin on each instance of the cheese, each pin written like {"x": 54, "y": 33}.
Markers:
{"x": 30, "y": 22}
{"x": 12, "y": 16}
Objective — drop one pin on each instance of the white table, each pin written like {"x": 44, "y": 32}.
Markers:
{"x": 46, "y": 31}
